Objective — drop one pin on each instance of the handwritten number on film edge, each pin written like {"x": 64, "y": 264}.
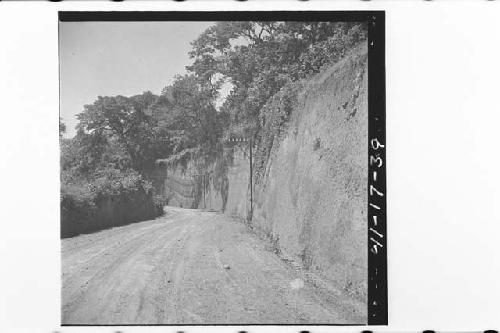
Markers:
{"x": 377, "y": 161}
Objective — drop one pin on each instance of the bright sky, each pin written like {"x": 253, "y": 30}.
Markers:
{"x": 119, "y": 58}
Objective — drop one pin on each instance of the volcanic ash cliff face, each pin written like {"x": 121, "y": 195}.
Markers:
{"x": 313, "y": 198}
{"x": 310, "y": 197}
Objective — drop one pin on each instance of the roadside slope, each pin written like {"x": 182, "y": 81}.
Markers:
{"x": 312, "y": 198}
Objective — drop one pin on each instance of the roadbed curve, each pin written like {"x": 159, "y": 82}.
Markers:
{"x": 190, "y": 267}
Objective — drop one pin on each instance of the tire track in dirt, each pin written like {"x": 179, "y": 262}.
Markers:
{"x": 111, "y": 272}
{"x": 108, "y": 278}
{"x": 191, "y": 267}
{"x": 174, "y": 271}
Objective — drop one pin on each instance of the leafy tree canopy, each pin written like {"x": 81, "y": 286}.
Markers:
{"x": 124, "y": 122}
{"x": 259, "y": 58}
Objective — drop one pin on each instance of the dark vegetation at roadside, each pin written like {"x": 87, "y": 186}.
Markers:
{"x": 103, "y": 168}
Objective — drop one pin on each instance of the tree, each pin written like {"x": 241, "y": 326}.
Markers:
{"x": 62, "y": 128}
{"x": 259, "y": 58}
{"x": 126, "y": 122}
{"x": 186, "y": 110}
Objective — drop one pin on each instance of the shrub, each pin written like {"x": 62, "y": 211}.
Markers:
{"x": 331, "y": 50}
{"x": 274, "y": 117}
{"x": 159, "y": 202}
{"x": 275, "y": 113}
{"x": 110, "y": 198}
{"x": 78, "y": 208}
{"x": 108, "y": 182}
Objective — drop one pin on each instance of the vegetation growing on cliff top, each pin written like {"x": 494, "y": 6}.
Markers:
{"x": 119, "y": 138}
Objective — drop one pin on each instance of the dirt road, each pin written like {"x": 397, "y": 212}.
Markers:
{"x": 190, "y": 267}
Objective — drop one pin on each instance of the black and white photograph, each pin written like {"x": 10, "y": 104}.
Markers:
{"x": 214, "y": 172}
{"x": 249, "y": 166}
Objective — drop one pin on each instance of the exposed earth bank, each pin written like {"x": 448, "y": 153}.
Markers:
{"x": 309, "y": 177}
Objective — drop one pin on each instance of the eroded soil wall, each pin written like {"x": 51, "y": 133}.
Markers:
{"x": 313, "y": 198}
